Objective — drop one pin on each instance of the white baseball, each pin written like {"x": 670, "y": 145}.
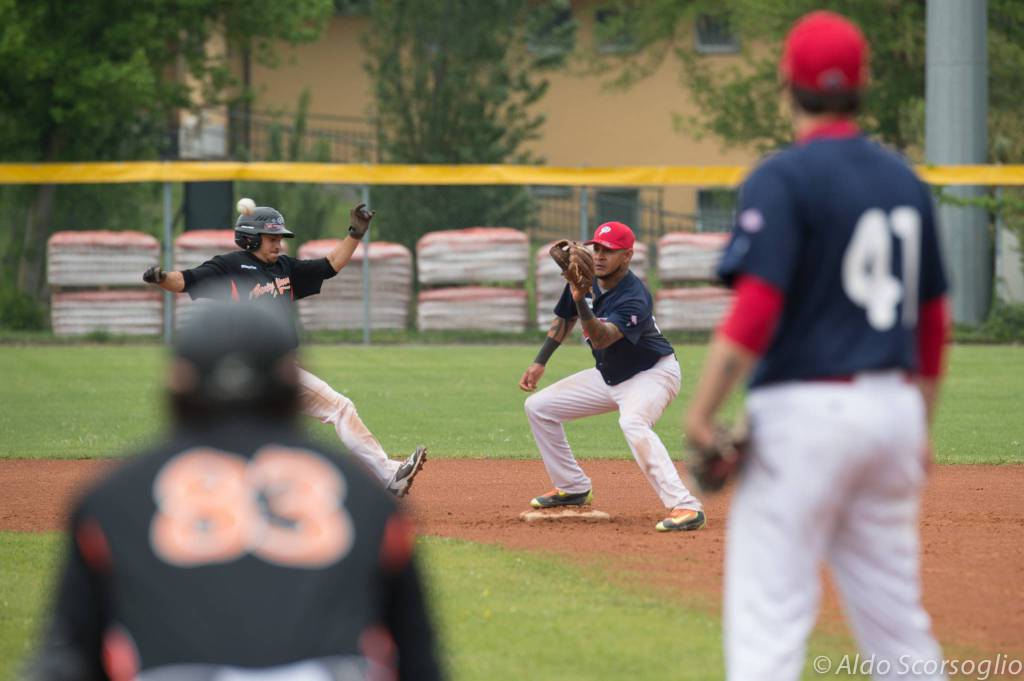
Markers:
{"x": 246, "y": 206}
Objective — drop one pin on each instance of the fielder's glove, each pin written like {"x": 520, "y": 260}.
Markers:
{"x": 576, "y": 263}
{"x": 714, "y": 465}
{"x": 154, "y": 275}
{"x": 359, "y": 220}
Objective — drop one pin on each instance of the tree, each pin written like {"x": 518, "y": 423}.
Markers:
{"x": 741, "y": 105}
{"x": 454, "y": 82}
{"x": 101, "y": 80}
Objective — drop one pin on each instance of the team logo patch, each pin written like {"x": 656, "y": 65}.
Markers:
{"x": 632, "y": 320}
{"x": 604, "y": 230}
{"x": 249, "y": 267}
{"x": 751, "y": 220}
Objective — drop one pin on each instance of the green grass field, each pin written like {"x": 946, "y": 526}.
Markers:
{"x": 502, "y": 614}
{"x": 99, "y": 400}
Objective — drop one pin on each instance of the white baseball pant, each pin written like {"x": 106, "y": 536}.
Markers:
{"x": 640, "y": 402}
{"x": 323, "y": 402}
{"x": 835, "y": 474}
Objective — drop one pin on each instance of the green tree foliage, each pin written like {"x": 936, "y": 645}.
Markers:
{"x": 102, "y": 80}
{"x": 454, "y": 82}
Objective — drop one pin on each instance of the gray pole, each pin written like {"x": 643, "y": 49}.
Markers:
{"x": 584, "y": 214}
{"x": 168, "y": 266}
{"x": 956, "y": 108}
{"x": 366, "y": 273}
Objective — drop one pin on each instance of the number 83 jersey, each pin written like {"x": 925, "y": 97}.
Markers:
{"x": 845, "y": 230}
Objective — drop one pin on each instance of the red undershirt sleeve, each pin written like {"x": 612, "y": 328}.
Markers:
{"x": 754, "y": 314}
{"x": 932, "y": 333}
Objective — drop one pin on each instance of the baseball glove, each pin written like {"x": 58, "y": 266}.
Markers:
{"x": 575, "y": 261}
{"x": 714, "y": 465}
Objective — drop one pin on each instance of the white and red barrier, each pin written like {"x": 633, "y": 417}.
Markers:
{"x": 685, "y": 256}
{"x": 691, "y": 309}
{"x": 477, "y": 308}
{"x": 122, "y": 312}
{"x": 340, "y": 302}
{"x": 476, "y": 255}
{"x": 99, "y": 258}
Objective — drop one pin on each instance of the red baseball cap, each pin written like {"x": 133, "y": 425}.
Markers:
{"x": 825, "y": 52}
{"x": 613, "y": 235}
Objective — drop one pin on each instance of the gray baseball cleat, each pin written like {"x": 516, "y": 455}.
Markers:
{"x": 402, "y": 480}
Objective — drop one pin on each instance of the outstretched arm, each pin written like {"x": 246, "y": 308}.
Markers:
{"x": 169, "y": 281}
{"x": 359, "y": 221}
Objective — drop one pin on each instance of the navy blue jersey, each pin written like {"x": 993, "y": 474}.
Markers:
{"x": 846, "y": 231}
{"x": 242, "y": 276}
{"x": 629, "y": 307}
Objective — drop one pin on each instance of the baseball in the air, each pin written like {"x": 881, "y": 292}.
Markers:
{"x": 246, "y": 206}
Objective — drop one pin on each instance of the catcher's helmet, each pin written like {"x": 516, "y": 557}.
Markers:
{"x": 256, "y": 221}
{"x": 234, "y": 360}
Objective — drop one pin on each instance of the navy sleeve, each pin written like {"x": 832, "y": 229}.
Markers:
{"x": 631, "y": 316}
{"x": 765, "y": 241}
{"x": 566, "y": 306}
{"x": 307, "y": 276}
{"x": 933, "y": 274}
{"x": 202, "y": 281}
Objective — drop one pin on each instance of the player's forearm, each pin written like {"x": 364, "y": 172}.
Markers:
{"x": 727, "y": 363}
{"x": 560, "y": 328}
{"x": 342, "y": 254}
{"x": 929, "y": 388}
{"x": 601, "y": 334}
{"x": 173, "y": 282}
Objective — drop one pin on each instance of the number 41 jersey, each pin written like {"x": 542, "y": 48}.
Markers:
{"x": 846, "y": 231}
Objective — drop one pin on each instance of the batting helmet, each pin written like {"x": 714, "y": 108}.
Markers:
{"x": 255, "y": 220}
{"x": 234, "y": 360}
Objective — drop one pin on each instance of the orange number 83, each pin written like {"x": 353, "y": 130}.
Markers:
{"x": 285, "y": 506}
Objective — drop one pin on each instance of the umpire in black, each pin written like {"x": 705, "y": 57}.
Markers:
{"x": 238, "y": 549}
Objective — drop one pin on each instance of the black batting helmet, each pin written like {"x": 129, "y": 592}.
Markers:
{"x": 256, "y": 220}
{"x": 234, "y": 360}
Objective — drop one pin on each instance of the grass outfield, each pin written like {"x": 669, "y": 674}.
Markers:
{"x": 463, "y": 401}
{"x": 500, "y": 614}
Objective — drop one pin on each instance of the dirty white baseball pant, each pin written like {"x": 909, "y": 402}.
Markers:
{"x": 835, "y": 475}
{"x": 640, "y": 401}
{"x": 323, "y": 402}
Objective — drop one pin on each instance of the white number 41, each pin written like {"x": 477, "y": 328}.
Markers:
{"x": 867, "y": 265}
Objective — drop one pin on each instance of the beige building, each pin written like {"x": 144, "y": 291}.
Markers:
{"x": 587, "y": 124}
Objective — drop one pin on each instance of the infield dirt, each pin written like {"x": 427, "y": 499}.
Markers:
{"x": 972, "y": 532}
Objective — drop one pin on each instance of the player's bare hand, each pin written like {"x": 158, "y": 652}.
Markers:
{"x": 154, "y": 275}
{"x": 531, "y": 377}
{"x": 359, "y": 220}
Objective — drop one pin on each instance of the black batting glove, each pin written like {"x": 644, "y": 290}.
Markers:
{"x": 359, "y": 220}
{"x": 154, "y": 275}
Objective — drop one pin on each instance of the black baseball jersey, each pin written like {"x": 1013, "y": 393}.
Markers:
{"x": 628, "y": 306}
{"x": 241, "y": 276}
{"x": 845, "y": 230}
{"x": 233, "y": 550}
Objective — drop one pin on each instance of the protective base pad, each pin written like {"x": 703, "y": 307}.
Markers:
{"x": 565, "y": 513}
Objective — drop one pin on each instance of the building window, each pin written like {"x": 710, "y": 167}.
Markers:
{"x": 551, "y": 31}
{"x": 612, "y": 31}
{"x": 716, "y": 210}
{"x": 714, "y": 34}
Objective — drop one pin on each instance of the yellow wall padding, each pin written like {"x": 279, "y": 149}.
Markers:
{"x": 371, "y": 174}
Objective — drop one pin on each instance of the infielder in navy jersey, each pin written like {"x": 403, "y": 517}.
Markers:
{"x": 841, "y": 315}
{"x": 261, "y": 273}
{"x": 636, "y": 373}
{"x": 237, "y": 549}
